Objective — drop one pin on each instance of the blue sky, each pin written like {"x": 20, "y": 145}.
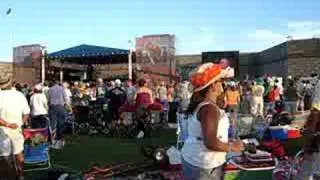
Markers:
{"x": 199, "y": 25}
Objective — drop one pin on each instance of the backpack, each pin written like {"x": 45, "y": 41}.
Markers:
{"x": 282, "y": 119}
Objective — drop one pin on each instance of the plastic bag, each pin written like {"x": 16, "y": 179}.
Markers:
{"x": 174, "y": 155}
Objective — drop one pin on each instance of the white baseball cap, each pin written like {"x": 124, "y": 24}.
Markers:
{"x": 38, "y": 87}
{"x": 118, "y": 82}
{"x": 232, "y": 83}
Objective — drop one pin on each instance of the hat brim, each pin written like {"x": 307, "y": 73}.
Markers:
{"x": 214, "y": 79}
{"x": 6, "y": 83}
{"x": 316, "y": 106}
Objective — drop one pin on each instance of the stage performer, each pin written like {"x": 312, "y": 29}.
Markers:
{"x": 225, "y": 65}
{"x": 204, "y": 151}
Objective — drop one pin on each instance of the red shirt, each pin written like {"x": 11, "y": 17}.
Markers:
{"x": 274, "y": 95}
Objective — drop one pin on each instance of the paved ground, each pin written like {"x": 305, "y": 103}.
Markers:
{"x": 300, "y": 119}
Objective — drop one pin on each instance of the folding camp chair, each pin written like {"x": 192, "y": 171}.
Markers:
{"x": 70, "y": 122}
{"x": 182, "y": 129}
{"x": 36, "y": 149}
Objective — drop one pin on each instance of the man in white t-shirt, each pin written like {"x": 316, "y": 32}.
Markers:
{"x": 14, "y": 112}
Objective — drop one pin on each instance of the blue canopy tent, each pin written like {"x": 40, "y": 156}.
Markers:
{"x": 87, "y": 56}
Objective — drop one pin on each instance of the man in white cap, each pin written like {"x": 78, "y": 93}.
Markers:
{"x": 39, "y": 108}
{"x": 14, "y": 112}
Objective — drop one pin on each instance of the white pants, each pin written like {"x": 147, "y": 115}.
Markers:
{"x": 11, "y": 142}
{"x": 257, "y": 106}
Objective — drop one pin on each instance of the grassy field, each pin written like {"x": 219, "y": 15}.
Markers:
{"x": 81, "y": 152}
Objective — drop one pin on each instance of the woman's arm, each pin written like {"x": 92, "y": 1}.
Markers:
{"x": 151, "y": 96}
{"x": 225, "y": 99}
{"x": 135, "y": 95}
{"x": 9, "y": 125}
{"x": 209, "y": 116}
{"x": 3, "y": 123}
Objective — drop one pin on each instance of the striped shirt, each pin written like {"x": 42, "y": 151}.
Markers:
{"x": 57, "y": 95}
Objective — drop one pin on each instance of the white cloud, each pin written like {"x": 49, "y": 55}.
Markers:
{"x": 302, "y": 24}
{"x": 206, "y": 38}
{"x": 199, "y": 40}
{"x": 261, "y": 39}
{"x": 265, "y": 35}
{"x": 195, "y": 44}
{"x": 265, "y": 38}
{"x": 304, "y": 29}
{"x": 204, "y": 29}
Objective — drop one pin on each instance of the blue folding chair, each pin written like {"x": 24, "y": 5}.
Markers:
{"x": 36, "y": 149}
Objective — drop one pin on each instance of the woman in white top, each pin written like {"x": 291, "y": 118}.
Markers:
{"x": 39, "y": 108}
{"x": 204, "y": 151}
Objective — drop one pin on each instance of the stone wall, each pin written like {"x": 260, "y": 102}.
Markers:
{"x": 304, "y": 57}
{"x": 5, "y": 69}
{"x": 303, "y": 66}
{"x": 25, "y": 75}
{"x": 306, "y": 48}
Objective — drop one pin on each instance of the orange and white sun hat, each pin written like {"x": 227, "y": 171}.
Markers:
{"x": 205, "y": 75}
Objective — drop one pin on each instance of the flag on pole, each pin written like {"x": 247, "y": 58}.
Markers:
{"x": 8, "y": 11}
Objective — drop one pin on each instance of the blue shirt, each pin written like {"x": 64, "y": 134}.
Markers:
{"x": 57, "y": 95}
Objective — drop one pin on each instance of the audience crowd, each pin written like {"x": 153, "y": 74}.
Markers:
{"x": 54, "y": 100}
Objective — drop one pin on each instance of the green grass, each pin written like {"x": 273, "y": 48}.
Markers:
{"x": 81, "y": 152}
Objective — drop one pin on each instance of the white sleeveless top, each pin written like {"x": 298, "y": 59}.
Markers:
{"x": 194, "y": 150}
